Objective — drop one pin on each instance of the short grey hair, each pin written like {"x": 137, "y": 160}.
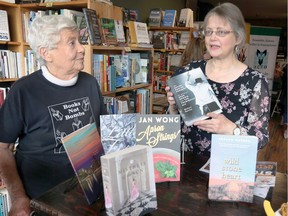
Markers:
{"x": 44, "y": 32}
{"x": 232, "y": 14}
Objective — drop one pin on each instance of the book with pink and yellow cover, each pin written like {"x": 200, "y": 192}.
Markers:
{"x": 161, "y": 132}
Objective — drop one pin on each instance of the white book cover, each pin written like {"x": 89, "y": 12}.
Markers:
{"x": 4, "y": 26}
{"x": 142, "y": 33}
{"x": 119, "y": 31}
{"x": 186, "y": 17}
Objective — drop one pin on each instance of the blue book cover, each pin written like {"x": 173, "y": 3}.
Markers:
{"x": 232, "y": 168}
{"x": 169, "y": 18}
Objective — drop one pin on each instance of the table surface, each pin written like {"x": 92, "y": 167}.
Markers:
{"x": 190, "y": 195}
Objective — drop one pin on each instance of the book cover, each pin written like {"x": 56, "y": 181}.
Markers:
{"x": 169, "y": 18}
{"x": 184, "y": 39}
{"x": 193, "y": 95}
{"x": 232, "y": 168}
{"x": 4, "y": 27}
{"x": 162, "y": 133}
{"x": 120, "y": 31}
{"x": 128, "y": 181}
{"x": 138, "y": 33}
{"x": 155, "y": 17}
{"x": 108, "y": 31}
{"x": 92, "y": 26}
{"x": 266, "y": 173}
{"x": 84, "y": 149}
{"x": 186, "y": 17}
{"x": 159, "y": 39}
{"x": 65, "y": 199}
{"x": 117, "y": 131}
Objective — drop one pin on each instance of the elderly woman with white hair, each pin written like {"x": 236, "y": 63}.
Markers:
{"x": 42, "y": 108}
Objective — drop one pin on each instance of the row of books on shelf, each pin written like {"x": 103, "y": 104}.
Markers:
{"x": 136, "y": 101}
{"x": 165, "y": 40}
{"x": 166, "y": 61}
{"x": 117, "y": 71}
{"x": 10, "y": 64}
{"x": 169, "y": 18}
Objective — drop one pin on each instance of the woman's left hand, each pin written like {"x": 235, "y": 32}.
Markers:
{"x": 216, "y": 123}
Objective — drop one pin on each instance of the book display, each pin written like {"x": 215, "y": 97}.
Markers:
{"x": 128, "y": 181}
{"x": 193, "y": 95}
{"x": 232, "y": 168}
{"x": 84, "y": 149}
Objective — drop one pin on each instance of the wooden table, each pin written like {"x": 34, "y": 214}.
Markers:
{"x": 190, "y": 195}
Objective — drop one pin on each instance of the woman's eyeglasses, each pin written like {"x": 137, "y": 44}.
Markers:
{"x": 220, "y": 33}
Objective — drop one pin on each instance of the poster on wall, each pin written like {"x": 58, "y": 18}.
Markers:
{"x": 263, "y": 50}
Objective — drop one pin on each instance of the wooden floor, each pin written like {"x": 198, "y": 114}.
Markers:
{"x": 276, "y": 150}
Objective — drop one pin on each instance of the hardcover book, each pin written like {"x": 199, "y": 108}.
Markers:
{"x": 108, "y": 31}
{"x": 159, "y": 39}
{"x": 232, "y": 168}
{"x": 193, "y": 95}
{"x": 117, "y": 131}
{"x": 128, "y": 181}
{"x": 92, "y": 26}
{"x": 84, "y": 149}
{"x": 161, "y": 133}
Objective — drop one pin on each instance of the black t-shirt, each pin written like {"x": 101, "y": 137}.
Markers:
{"x": 40, "y": 113}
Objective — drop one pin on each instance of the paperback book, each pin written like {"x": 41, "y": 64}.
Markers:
{"x": 84, "y": 150}
{"x": 128, "y": 181}
{"x": 139, "y": 34}
{"x": 117, "y": 131}
{"x": 186, "y": 17}
{"x": 161, "y": 133}
{"x": 232, "y": 168}
{"x": 193, "y": 95}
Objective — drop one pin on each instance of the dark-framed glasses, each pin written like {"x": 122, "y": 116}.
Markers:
{"x": 220, "y": 33}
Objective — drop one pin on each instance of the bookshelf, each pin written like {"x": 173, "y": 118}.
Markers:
{"x": 16, "y": 16}
{"x": 168, "y": 48}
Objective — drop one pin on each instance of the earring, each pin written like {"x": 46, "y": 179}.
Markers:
{"x": 237, "y": 49}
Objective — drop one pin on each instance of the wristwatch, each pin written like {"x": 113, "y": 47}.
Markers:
{"x": 237, "y": 130}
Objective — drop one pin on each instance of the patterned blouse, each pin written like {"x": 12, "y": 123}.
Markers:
{"x": 245, "y": 102}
